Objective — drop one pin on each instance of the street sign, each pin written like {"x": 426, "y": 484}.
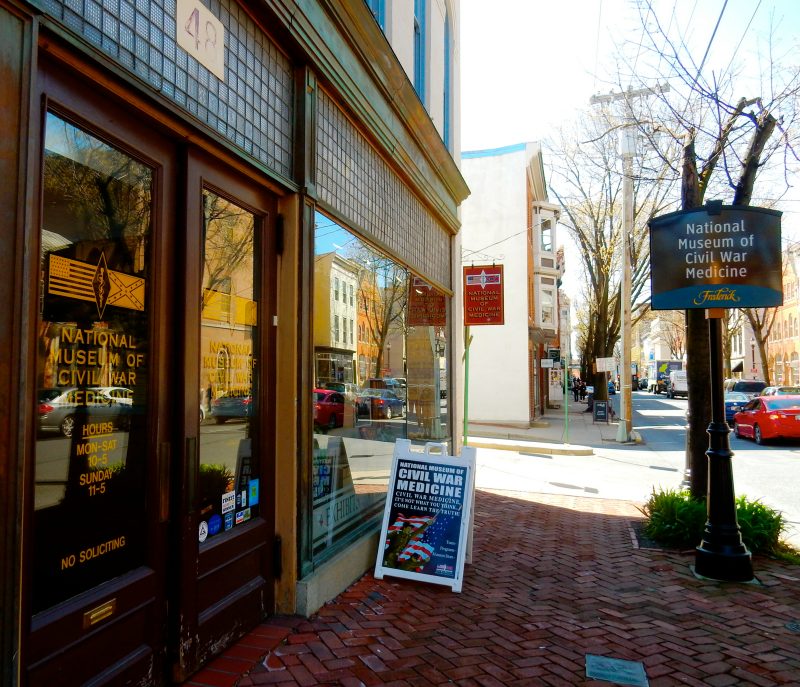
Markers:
{"x": 717, "y": 256}
{"x": 606, "y": 364}
{"x": 483, "y": 295}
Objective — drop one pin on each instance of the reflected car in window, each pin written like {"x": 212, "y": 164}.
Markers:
{"x": 58, "y": 408}
{"x": 769, "y": 417}
{"x": 328, "y": 408}
{"x": 230, "y": 406}
{"x": 380, "y": 403}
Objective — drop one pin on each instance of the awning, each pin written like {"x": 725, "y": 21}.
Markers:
{"x": 739, "y": 367}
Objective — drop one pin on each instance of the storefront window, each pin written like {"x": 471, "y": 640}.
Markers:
{"x": 228, "y": 484}
{"x": 388, "y": 383}
{"x": 92, "y": 365}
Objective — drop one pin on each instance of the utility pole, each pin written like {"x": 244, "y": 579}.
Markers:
{"x": 627, "y": 149}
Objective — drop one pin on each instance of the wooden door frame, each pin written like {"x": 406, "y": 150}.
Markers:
{"x": 196, "y": 644}
{"x": 64, "y": 92}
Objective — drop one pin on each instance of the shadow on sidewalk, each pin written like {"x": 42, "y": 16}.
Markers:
{"x": 553, "y": 578}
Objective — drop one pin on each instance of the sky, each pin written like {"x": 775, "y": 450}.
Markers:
{"x": 529, "y": 65}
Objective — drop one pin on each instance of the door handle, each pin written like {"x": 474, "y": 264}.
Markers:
{"x": 163, "y": 470}
{"x": 191, "y": 473}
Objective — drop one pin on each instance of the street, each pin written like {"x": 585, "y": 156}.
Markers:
{"x": 630, "y": 472}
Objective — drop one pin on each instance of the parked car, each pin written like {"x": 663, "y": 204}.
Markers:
{"x": 380, "y": 403}
{"x": 780, "y": 390}
{"x": 734, "y": 402}
{"x": 58, "y": 407}
{"x": 751, "y": 387}
{"x": 349, "y": 390}
{"x": 677, "y": 384}
{"x": 389, "y": 383}
{"x": 328, "y": 408}
{"x": 231, "y": 405}
{"x": 769, "y": 417}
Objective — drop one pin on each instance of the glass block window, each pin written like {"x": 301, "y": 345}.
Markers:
{"x": 354, "y": 180}
{"x": 252, "y": 108}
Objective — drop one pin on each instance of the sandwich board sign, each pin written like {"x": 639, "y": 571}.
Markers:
{"x": 426, "y": 520}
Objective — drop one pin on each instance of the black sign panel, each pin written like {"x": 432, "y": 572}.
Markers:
{"x": 717, "y": 256}
{"x": 600, "y": 411}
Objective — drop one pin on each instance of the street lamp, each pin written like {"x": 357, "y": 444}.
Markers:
{"x": 753, "y": 357}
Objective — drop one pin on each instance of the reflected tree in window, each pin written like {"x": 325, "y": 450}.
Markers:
{"x": 228, "y": 247}
{"x": 382, "y": 299}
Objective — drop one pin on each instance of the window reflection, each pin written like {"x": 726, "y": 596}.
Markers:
{"x": 92, "y": 364}
{"x": 380, "y": 374}
{"x": 228, "y": 485}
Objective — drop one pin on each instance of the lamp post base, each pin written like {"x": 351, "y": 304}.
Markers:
{"x": 730, "y": 564}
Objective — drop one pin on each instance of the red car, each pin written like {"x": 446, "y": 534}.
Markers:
{"x": 328, "y": 408}
{"x": 769, "y": 417}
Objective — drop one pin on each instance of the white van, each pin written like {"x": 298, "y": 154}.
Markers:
{"x": 678, "y": 385}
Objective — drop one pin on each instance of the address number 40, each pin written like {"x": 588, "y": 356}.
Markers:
{"x": 202, "y": 35}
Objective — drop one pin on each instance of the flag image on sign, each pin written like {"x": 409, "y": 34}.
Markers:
{"x": 483, "y": 295}
{"x": 96, "y": 283}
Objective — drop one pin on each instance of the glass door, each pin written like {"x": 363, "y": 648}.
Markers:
{"x": 226, "y": 584}
{"x": 96, "y": 535}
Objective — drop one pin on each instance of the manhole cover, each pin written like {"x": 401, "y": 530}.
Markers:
{"x": 616, "y": 670}
{"x": 793, "y": 626}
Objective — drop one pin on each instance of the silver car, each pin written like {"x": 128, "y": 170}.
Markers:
{"x": 58, "y": 407}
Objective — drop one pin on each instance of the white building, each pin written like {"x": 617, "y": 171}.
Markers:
{"x": 508, "y": 220}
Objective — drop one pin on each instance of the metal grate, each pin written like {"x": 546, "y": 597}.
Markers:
{"x": 353, "y": 178}
{"x": 253, "y": 108}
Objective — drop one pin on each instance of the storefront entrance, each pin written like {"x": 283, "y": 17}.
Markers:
{"x": 149, "y": 534}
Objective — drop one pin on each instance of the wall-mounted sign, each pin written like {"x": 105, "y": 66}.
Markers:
{"x": 427, "y": 306}
{"x": 483, "y": 295}
{"x": 202, "y": 35}
{"x": 717, "y": 256}
{"x": 554, "y": 353}
{"x": 546, "y": 362}
{"x": 427, "y": 516}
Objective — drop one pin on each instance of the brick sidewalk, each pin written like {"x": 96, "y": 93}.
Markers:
{"x": 553, "y": 578}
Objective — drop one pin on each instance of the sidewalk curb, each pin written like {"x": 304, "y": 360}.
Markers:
{"x": 522, "y": 444}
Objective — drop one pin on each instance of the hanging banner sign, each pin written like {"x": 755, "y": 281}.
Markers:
{"x": 427, "y": 306}
{"x": 427, "y": 516}
{"x": 483, "y": 295}
{"x": 717, "y": 256}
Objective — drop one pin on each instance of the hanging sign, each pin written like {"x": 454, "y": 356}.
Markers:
{"x": 483, "y": 295}
{"x": 717, "y": 256}
{"x": 427, "y": 515}
{"x": 427, "y": 306}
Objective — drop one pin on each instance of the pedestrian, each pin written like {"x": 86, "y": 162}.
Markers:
{"x": 576, "y": 387}
{"x": 583, "y": 390}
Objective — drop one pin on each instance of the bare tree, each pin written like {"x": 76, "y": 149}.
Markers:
{"x": 728, "y": 141}
{"x": 382, "y": 296}
{"x": 588, "y": 185}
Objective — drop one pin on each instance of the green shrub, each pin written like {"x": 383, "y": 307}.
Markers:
{"x": 676, "y": 520}
{"x": 761, "y": 526}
